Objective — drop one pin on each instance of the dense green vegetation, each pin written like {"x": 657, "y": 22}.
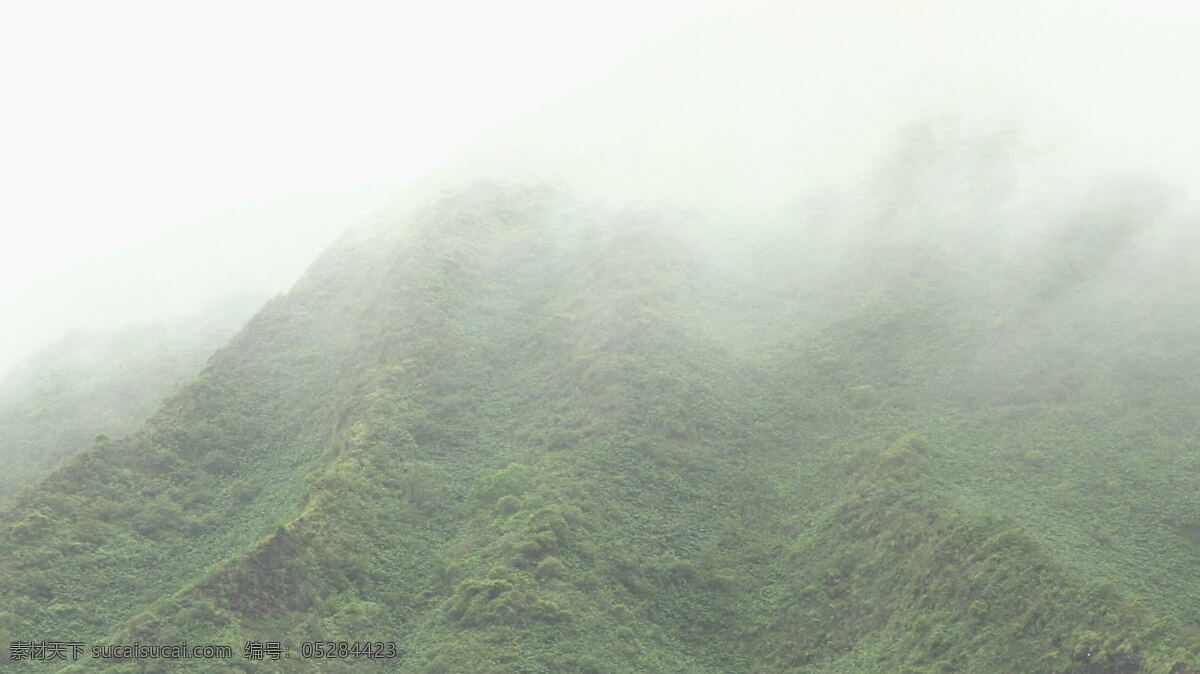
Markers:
{"x": 100, "y": 383}
{"x": 515, "y": 432}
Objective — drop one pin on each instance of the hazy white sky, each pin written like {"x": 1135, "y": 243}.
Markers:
{"x": 122, "y": 118}
{"x": 800, "y": 94}
{"x": 127, "y": 127}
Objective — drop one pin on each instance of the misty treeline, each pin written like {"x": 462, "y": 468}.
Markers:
{"x": 100, "y": 382}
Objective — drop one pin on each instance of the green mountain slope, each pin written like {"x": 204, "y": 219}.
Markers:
{"x": 520, "y": 432}
{"x": 100, "y": 383}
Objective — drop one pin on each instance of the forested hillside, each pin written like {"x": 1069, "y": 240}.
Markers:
{"x": 94, "y": 383}
{"x": 513, "y": 430}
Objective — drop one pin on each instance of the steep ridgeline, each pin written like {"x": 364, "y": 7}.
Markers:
{"x": 100, "y": 383}
{"x": 521, "y": 433}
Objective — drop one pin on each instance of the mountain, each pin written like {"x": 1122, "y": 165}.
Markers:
{"x": 100, "y": 382}
{"x": 514, "y": 429}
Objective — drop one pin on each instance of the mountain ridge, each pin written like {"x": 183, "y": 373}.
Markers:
{"x": 520, "y": 432}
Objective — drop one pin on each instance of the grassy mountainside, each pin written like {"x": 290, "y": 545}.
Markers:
{"x": 518, "y": 432}
{"x": 100, "y": 383}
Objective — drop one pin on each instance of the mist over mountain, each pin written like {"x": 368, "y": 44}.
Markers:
{"x": 849, "y": 338}
{"x": 92, "y": 384}
{"x": 250, "y": 249}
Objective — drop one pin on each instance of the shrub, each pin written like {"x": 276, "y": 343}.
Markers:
{"x": 550, "y": 567}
